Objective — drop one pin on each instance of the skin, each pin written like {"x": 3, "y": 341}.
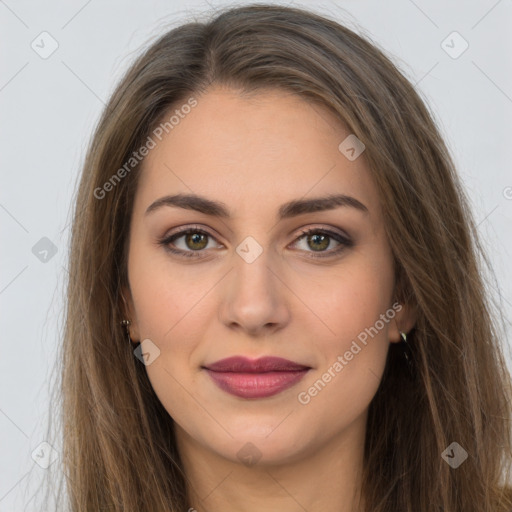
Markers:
{"x": 254, "y": 154}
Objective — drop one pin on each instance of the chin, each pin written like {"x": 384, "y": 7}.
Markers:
{"x": 262, "y": 445}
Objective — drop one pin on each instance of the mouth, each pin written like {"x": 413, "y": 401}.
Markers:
{"x": 259, "y": 378}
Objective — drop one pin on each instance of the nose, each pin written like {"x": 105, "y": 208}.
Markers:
{"x": 254, "y": 299}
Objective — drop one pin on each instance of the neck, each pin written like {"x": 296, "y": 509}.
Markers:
{"x": 326, "y": 478}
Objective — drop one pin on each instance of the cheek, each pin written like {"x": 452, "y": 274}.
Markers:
{"x": 339, "y": 394}
{"x": 348, "y": 301}
{"x": 172, "y": 310}
{"x": 343, "y": 384}
{"x": 356, "y": 314}
{"x": 165, "y": 296}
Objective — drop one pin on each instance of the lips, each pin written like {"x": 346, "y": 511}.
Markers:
{"x": 259, "y": 378}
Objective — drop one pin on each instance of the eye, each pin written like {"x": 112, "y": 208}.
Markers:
{"x": 320, "y": 239}
{"x": 195, "y": 240}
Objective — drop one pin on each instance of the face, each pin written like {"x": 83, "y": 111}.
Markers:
{"x": 260, "y": 276}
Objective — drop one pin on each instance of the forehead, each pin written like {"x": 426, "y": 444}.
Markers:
{"x": 253, "y": 152}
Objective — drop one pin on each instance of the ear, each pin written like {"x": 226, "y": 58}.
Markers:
{"x": 404, "y": 321}
{"x": 128, "y": 312}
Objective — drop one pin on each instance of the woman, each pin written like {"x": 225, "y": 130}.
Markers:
{"x": 276, "y": 300}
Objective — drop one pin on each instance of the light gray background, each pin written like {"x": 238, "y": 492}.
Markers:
{"x": 49, "y": 108}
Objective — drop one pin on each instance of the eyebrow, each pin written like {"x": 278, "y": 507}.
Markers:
{"x": 286, "y": 211}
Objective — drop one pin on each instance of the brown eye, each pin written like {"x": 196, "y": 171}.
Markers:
{"x": 318, "y": 240}
{"x": 196, "y": 240}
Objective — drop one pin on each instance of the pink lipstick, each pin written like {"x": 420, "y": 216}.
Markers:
{"x": 255, "y": 378}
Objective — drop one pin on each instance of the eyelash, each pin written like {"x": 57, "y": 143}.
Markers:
{"x": 342, "y": 240}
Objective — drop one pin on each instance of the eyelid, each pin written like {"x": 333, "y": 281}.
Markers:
{"x": 343, "y": 239}
{"x": 182, "y": 231}
{"x": 324, "y": 229}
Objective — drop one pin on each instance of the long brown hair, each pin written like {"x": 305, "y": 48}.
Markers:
{"x": 119, "y": 451}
